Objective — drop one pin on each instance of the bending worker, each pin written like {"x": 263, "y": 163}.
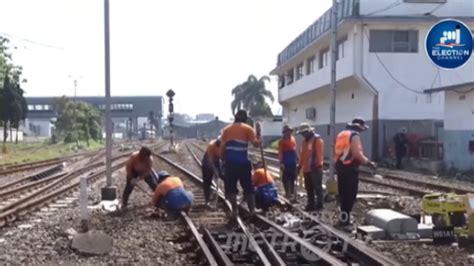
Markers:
{"x": 211, "y": 167}
{"x": 348, "y": 156}
{"x": 170, "y": 194}
{"x": 139, "y": 167}
{"x": 265, "y": 189}
{"x": 311, "y": 161}
{"x": 288, "y": 158}
{"x": 237, "y": 167}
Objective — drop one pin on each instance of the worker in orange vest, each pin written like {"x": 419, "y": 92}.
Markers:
{"x": 170, "y": 194}
{"x": 211, "y": 167}
{"x": 348, "y": 156}
{"x": 266, "y": 194}
{"x": 288, "y": 158}
{"x": 235, "y": 139}
{"x": 311, "y": 161}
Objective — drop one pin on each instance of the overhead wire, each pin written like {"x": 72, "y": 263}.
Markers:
{"x": 390, "y": 6}
{"x": 32, "y": 41}
{"x": 390, "y": 73}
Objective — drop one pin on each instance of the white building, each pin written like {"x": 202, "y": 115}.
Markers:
{"x": 205, "y": 117}
{"x": 382, "y": 69}
{"x": 458, "y": 135}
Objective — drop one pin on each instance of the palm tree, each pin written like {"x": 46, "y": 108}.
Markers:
{"x": 252, "y": 95}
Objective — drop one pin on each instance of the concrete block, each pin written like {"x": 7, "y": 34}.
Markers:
{"x": 371, "y": 231}
{"x": 425, "y": 230}
{"x": 92, "y": 243}
{"x": 391, "y": 221}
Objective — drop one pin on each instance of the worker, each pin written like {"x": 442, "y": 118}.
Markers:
{"x": 139, "y": 167}
{"x": 311, "y": 162}
{"x": 265, "y": 189}
{"x": 234, "y": 155}
{"x": 211, "y": 167}
{"x": 288, "y": 158}
{"x": 170, "y": 194}
{"x": 348, "y": 156}
{"x": 401, "y": 145}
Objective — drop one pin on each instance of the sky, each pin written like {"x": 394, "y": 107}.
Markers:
{"x": 200, "y": 49}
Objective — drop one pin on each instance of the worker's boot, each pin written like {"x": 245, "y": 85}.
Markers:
{"x": 235, "y": 208}
{"x": 292, "y": 192}
{"x": 250, "y": 198}
{"x": 286, "y": 186}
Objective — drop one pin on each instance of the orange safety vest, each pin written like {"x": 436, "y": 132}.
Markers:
{"x": 343, "y": 147}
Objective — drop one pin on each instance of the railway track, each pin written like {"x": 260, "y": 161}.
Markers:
{"x": 312, "y": 242}
{"x": 415, "y": 187}
{"x": 24, "y": 195}
{"x": 10, "y": 169}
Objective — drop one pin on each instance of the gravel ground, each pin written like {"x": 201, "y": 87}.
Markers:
{"x": 137, "y": 238}
{"x": 407, "y": 253}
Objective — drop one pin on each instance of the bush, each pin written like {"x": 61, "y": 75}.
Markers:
{"x": 54, "y": 139}
{"x": 70, "y": 138}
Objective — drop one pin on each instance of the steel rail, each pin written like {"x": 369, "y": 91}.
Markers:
{"x": 216, "y": 250}
{"x": 319, "y": 252}
{"x": 202, "y": 245}
{"x": 387, "y": 175}
{"x": 353, "y": 249}
{"x": 41, "y": 174}
{"x": 21, "y": 207}
{"x": 261, "y": 255}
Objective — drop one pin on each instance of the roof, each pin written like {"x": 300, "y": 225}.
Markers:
{"x": 452, "y": 87}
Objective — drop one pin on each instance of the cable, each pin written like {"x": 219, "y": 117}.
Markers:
{"x": 31, "y": 41}
{"x": 392, "y": 5}
{"x": 390, "y": 73}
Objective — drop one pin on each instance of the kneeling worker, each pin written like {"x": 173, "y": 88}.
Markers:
{"x": 170, "y": 194}
{"x": 139, "y": 167}
{"x": 266, "y": 194}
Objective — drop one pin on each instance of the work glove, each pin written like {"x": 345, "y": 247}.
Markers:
{"x": 372, "y": 165}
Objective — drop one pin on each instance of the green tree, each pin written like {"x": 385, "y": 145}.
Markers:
{"x": 252, "y": 95}
{"x": 79, "y": 121}
{"x": 12, "y": 101}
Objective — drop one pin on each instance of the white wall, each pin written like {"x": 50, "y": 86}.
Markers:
{"x": 320, "y": 77}
{"x": 452, "y": 8}
{"x": 12, "y": 137}
{"x": 271, "y": 128}
{"x": 346, "y": 107}
{"x": 415, "y": 71}
{"x": 43, "y": 127}
{"x": 459, "y": 114}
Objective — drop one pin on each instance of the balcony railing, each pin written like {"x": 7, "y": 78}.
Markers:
{"x": 345, "y": 8}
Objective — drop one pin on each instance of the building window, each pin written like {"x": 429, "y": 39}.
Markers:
{"x": 310, "y": 65}
{"x": 47, "y": 107}
{"x": 341, "y": 48}
{"x": 299, "y": 71}
{"x": 289, "y": 77}
{"x": 281, "y": 81}
{"x": 393, "y": 41}
{"x": 31, "y": 107}
{"x": 323, "y": 58}
{"x": 39, "y": 107}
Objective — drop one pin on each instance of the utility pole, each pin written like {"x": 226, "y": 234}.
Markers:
{"x": 332, "y": 129}
{"x": 109, "y": 192}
